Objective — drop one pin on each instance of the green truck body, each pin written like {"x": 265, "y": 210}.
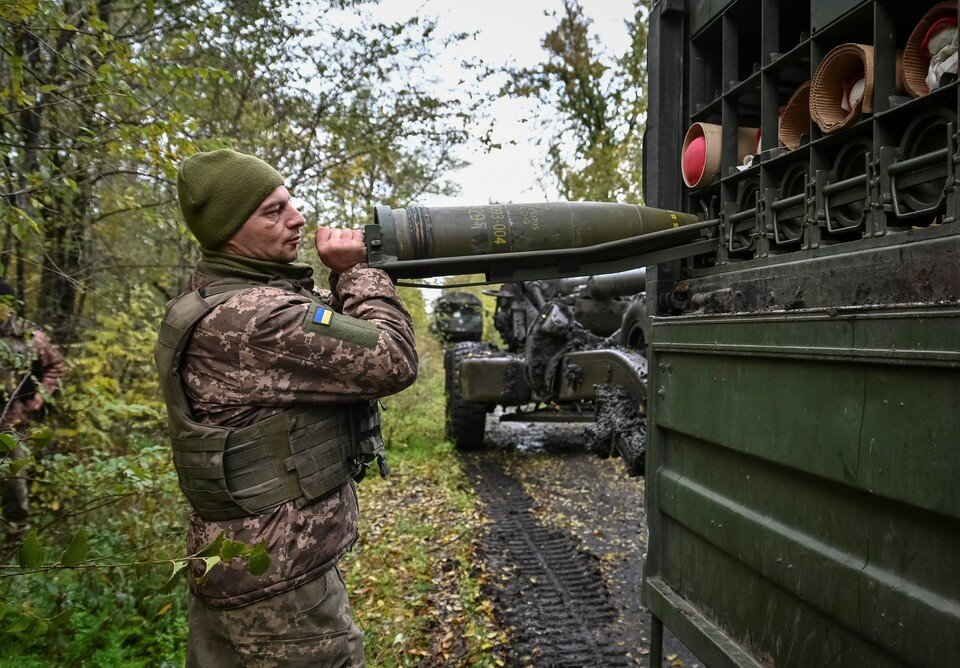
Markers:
{"x": 803, "y": 452}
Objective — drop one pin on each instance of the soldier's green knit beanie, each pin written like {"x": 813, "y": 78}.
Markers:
{"x": 220, "y": 190}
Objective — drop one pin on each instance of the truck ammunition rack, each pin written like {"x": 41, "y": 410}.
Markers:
{"x": 891, "y": 171}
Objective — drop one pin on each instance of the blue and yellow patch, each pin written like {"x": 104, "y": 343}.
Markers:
{"x": 328, "y": 322}
{"x": 322, "y": 316}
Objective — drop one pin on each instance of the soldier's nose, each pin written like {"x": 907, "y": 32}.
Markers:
{"x": 297, "y": 220}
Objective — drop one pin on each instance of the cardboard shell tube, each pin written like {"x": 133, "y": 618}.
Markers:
{"x": 713, "y": 140}
{"x": 843, "y": 64}
{"x": 795, "y": 119}
{"x": 915, "y": 61}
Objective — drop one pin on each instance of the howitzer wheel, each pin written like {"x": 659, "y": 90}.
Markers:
{"x": 633, "y": 327}
{"x": 465, "y": 420}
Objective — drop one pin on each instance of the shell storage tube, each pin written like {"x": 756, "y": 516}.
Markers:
{"x": 918, "y": 61}
{"x": 835, "y": 97}
{"x": 795, "y": 120}
{"x": 700, "y": 155}
{"x": 831, "y": 85}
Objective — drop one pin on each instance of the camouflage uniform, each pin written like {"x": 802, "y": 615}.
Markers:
{"x": 251, "y": 358}
{"x": 26, "y": 350}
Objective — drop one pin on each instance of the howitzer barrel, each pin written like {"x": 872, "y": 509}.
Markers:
{"x": 620, "y": 284}
{"x": 567, "y": 286}
{"x": 521, "y": 241}
{"x": 605, "y": 286}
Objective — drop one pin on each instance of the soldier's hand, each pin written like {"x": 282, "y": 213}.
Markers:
{"x": 340, "y": 249}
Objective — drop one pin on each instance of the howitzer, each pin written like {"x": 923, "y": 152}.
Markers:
{"x": 598, "y": 302}
{"x": 519, "y": 242}
{"x": 556, "y": 319}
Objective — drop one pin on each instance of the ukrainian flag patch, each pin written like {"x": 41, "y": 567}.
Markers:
{"x": 326, "y": 321}
{"x": 322, "y": 316}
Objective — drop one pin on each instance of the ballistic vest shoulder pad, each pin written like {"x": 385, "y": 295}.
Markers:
{"x": 299, "y": 455}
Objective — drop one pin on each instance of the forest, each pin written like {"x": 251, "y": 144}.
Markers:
{"x": 99, "y": 103}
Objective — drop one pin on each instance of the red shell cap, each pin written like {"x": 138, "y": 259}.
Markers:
{"x": 940, "y": 24}
{"x": 695, "y": 160}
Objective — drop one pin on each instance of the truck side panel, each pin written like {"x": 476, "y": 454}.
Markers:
{"x": 803, "y": 451}
{"x": 804, "y": 470}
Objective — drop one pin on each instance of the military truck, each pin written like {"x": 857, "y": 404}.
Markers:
{"x": 803, "y": 452}
{"x": 457, "y": 317}
{"x": 798, "y": 378}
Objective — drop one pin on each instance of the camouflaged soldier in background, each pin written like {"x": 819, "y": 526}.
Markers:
{"x": 268, "y": 348}
{"x": 30, "y": 372}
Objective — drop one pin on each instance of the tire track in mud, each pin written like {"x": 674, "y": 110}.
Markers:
{"x": 550, "y": 593}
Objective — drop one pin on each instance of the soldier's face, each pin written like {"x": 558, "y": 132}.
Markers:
{"x": 271, "y": 233}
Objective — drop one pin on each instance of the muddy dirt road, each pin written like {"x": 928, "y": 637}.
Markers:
{"x": 565, "y": 535}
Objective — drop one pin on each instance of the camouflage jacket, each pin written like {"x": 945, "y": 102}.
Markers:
{"x": 40, "y": 358}
{"x": 251, "y": 358}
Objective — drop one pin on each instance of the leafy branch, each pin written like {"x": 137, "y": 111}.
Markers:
{"x": 221, "y": 552}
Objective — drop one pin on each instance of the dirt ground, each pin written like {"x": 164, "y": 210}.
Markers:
{"x": 565, "y": 536}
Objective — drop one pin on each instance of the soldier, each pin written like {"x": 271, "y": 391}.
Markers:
{"x": 30, "y": 368}
{"x": 271, "y": 389}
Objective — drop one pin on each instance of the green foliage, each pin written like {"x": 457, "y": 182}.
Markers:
{"x": 111, "y": 393}
{"x": 8, "y": 441}
{"x": 93, "y": 638}
{"x": 178, "y": 566}
{"x": 225, "y": 550}
{"x": 30, "y": 554}
{"x": 99, "y": 102}
{"x": 77, "y": 551}
{"x": 81, "y": 113}
{"x": 594, "y": 143}
{"x": 114, "y": 592}
{"x": 258, "y": 559}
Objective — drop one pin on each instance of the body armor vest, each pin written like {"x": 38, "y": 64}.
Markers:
{"x": 300, "y": 454}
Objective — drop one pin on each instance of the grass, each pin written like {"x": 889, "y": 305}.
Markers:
{"x": 415, "y": 576}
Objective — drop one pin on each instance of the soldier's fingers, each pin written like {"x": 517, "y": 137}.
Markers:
{"x": 323, "y": 234}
